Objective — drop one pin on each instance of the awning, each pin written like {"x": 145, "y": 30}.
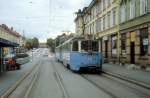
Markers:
{"x": 6, "y": 43}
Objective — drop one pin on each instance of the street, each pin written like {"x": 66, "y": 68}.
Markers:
{"x": 50, "y": 79}
{"x": 75, "y": 49}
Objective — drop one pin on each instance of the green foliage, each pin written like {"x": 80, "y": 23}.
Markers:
{"x": 32, "y": 43}
{"x": 51, "y": 44}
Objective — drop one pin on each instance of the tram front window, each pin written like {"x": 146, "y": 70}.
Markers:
{"x": 75, "y": 46}
{"x": 87, "y": 46}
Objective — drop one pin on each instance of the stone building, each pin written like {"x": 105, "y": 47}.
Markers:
{"x": 121, "y": 26}
{"x": 8, "y": 40}
{"x": 135, "y": 31}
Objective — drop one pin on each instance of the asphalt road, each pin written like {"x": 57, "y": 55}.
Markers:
{"x": 53, "y": 80}
{"x": 8, "y": 79}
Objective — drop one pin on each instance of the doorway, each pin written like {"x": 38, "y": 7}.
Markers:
{"x": 106, "y": 49}
{"x": 132, "y": 53}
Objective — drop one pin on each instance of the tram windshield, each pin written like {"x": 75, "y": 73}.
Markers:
{"x": 89, "y": 45}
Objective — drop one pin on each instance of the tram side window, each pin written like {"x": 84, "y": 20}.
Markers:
{"x": 75, "y": 46}
{"x": 84, "y": 46}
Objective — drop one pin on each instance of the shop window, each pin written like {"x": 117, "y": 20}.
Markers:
{"x": 114, "y": 45}
{"x": 144, "y": 41}
{"x": 75, "y": 46}
{"x": 123, "y": 43}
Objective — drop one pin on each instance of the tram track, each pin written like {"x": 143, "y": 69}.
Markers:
{"x": 10, "y": 90}
{"x": 124, "y": 84}
{"x": 60, "y": 82}
{"x": 146, "y": 86}
{"x": 99, "y": 87}
{"x": 124, "y": 88}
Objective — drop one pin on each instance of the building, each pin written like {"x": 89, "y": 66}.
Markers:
{"x": 135, "y": 31}
{"x": 100, "y": 19}
{"x": 8, "y": 40}
{"x": 122, "y": 26}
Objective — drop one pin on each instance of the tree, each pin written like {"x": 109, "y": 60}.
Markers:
{"x": 29, "y": 44}
{"x": 32, "y": 43}
{"x": 35, "y": 42}
{"x": 51, "y": 44}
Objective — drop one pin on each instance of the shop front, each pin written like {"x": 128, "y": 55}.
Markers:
{"x": 5, "y": 45}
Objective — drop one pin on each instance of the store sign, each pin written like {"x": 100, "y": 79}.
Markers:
{"x": 114, "y": 51}
{"x": 133, "y": 35}
{"x": 105, "y": 38}
{"x": 145, "y": 41}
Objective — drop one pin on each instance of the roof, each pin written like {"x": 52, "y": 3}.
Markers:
{"x": 10, "y": 30}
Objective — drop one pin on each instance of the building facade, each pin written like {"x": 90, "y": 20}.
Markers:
{"x": 122, "y": 26}
{"x": 8, "y": 40}
{"x": 135, "y": 31}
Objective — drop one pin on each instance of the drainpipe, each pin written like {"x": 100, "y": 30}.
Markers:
{"x": 119, "y": 49}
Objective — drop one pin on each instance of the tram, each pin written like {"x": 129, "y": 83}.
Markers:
{"x": 79, "y": 54}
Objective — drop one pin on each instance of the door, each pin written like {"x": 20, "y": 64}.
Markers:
{"x": 106, "y": 49}
{"x": 132, "y": 53}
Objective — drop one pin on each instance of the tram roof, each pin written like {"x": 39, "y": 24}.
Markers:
{"x": 73, "y": 38}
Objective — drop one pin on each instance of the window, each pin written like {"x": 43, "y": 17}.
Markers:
{"x": 144, "y": 41}
{"x": 75, "y": 46}
{"x": 123, "y": 12}
{"x": 98, "y": 25}
{"x": 114, "y": 17}
{"x": 109, "y": 2}
{"x": 143, "y": 7}
{"x": 132, "y": 9}
{"x": 104, "y": 23}
{"x": 114, "y": 44}
{"x": 89, "y": 45}
{"x": 104, "y": 4}
{"x": 123, "y": 43}
{"x": 108, "y": 19}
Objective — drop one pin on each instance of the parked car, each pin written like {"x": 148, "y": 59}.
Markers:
{"x": 10, "y": 61}
{"x": 14, "y": 61}
{"x": 22, "y": 58}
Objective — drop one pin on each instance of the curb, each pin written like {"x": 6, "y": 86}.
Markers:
{"x": 16, "y": 84}
{"x": 128, "y": 80}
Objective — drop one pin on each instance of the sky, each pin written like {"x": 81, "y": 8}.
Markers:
{"x": 40, "y": 18}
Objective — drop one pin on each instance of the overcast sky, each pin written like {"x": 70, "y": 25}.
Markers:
{"x": 40, "y": 18}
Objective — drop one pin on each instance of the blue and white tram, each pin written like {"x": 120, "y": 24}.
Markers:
{"x": 78, "y": 54}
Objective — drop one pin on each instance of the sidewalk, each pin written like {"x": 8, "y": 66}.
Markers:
{"x": 134, "y": 74}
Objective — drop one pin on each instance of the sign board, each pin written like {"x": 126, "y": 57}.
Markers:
{"x": 133, "y": 36}
{"x": 145, "y": 41}
{"x": 105, "y": 38}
